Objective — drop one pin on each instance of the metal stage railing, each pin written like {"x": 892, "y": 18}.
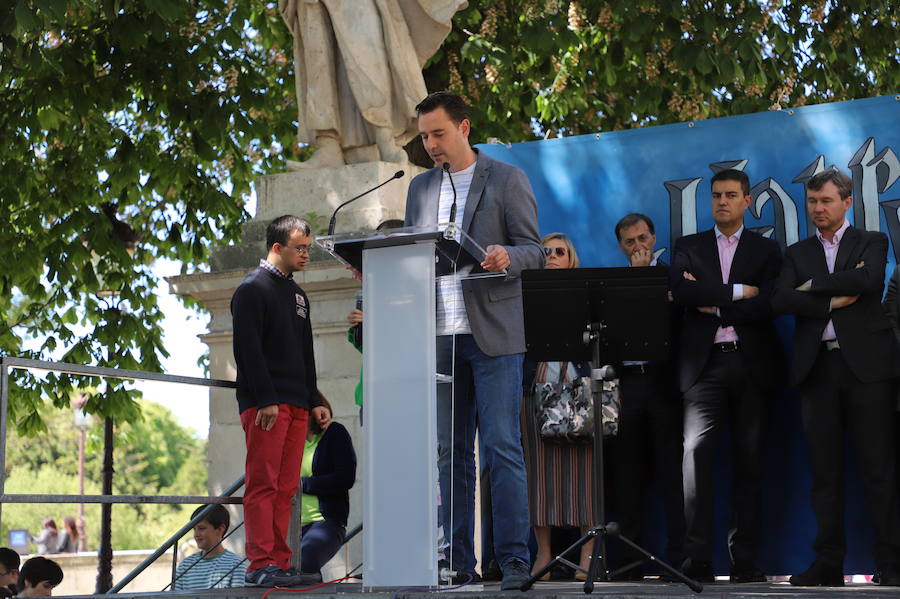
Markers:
{"x": 104, "y": 576}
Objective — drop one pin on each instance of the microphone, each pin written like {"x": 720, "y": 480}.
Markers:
{"x": 331, "y": 223}
{"x": 446, "y": 167}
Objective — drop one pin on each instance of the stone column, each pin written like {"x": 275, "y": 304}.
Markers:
{"x": 331, "y": 292}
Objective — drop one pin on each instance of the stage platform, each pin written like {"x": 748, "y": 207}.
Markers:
{"x": 648, "y": 589}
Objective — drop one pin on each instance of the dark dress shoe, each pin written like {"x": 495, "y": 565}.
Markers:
{"x": 699, "y": 570}
{"x": 492, "y": 572}
{"x": 744, "y": 573}
{"x": 819, "y": 575}
{"x": 515, "y": 574}
{"x": 888, "y": 576}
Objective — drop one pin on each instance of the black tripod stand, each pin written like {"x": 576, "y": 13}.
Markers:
{"x": 583, "y": 314}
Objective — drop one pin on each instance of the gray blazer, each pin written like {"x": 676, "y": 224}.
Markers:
{"x": 500, "y": 210}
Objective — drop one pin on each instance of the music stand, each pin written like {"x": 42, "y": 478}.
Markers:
{"x": 598, "y": 315}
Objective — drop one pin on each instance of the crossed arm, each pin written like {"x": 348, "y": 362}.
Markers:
{"x": 731, "y": 303}
{"x": 816, "y": 297}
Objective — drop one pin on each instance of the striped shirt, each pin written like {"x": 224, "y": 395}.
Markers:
{"x": 451, "y": 310}
{"x": 219, "y": 572}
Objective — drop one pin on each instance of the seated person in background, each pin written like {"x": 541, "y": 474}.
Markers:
{"x": 213, "y": 567}
{"x": 327, "y": 474}
{"x": 9, "y": 571}
{"x": 38, "y": 577}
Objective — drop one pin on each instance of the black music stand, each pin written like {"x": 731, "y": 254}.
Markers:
{"x": 598, "y": 315}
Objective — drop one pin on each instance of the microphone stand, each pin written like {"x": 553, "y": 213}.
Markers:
{"x": 331, "y": 223}
{"x": 450, "y": 232}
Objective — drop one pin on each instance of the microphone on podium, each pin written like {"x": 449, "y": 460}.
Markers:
{"x": 446, "y": 167}
{"x": 331, "y": 223}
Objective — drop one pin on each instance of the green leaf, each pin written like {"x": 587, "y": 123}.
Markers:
{"x": 704, "y": 62}
{"x": 26, "y": 21}
{"x": 49, "y": 117}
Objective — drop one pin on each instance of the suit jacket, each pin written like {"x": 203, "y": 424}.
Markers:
{"x": 500, "y": 210}
{"x": 756, "y": 262}
{"x": 863, "y": 330}
{"x": 891, "y": 302}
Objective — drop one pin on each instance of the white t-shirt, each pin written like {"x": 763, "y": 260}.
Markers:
{"x": 451, "y": 309}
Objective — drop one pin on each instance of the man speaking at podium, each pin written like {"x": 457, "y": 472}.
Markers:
{"x": 480, "y": 322}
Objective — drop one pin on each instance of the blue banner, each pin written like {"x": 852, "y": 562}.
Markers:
{"x": 584, "y": 184}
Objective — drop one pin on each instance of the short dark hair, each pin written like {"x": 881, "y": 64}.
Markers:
{"x": 391, "y": 223}
{"x": 732, "y": 174}
{"x": 456, "y": 107}
{"x": 280, "y": 229}
{"x": 9, "y": 559}
{"x": 39, "y": 569}
{"x": 217, "y": 517}
{"x": 843, "y": 183}
{"x": 630, "y": 220}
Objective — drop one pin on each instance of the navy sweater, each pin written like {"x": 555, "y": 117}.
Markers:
{"x": 333, "y": 473}
{"x": 273, "y": 344}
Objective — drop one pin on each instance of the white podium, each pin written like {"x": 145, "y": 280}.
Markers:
{"x": 400, "y": 482}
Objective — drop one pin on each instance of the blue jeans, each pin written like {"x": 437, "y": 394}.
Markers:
{"x": 488, "y": 395}
{"x": 320, "y": 541}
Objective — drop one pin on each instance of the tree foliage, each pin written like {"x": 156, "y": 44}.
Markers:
{"x": 548, "y": 67}
{"x": 153, "y": 455}
{"x": 130, "y": 130}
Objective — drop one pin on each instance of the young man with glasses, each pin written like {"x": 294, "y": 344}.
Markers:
{"x": 9, "y": 571}
{"x": 276, "y": 389}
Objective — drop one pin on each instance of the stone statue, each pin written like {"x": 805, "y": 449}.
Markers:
{"x": 358, "y": 67}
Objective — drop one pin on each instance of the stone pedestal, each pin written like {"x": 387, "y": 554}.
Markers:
{"x": 331, "y": 291}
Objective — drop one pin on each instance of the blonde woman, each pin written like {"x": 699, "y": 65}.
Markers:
{"x": 559, "y": 474}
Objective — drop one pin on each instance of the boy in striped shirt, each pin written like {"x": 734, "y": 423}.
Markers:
{"x": 213, "y": 567}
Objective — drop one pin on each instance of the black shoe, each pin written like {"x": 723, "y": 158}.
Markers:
{"x": 888, "y": 576}
{"x": 744, "y": 573}
{"x": 271, "y": 576}
{"x": 491, "y": 572}
{"x": 819, "y": 575}
{"x": 699, "y": 570}
{"x": 465, "y": 578}
{"x": 515, "y": 574}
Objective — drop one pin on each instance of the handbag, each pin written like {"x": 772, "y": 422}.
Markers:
{"x": 565, "y": 409}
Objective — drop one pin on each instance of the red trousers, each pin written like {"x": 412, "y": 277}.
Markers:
{"x": 272, "y": 475}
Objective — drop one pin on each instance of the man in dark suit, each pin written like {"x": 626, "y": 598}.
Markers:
{"x": 730, "y": 360}
{"x": 843, "y": 363}
{"x": 891, "y": 306}
{"x": 649, "y": 437}
{"x": 481, "y": 333}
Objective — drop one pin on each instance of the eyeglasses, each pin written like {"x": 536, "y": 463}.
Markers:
{"x": 300, "y": 250}
{"x": 560, "y": 252}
